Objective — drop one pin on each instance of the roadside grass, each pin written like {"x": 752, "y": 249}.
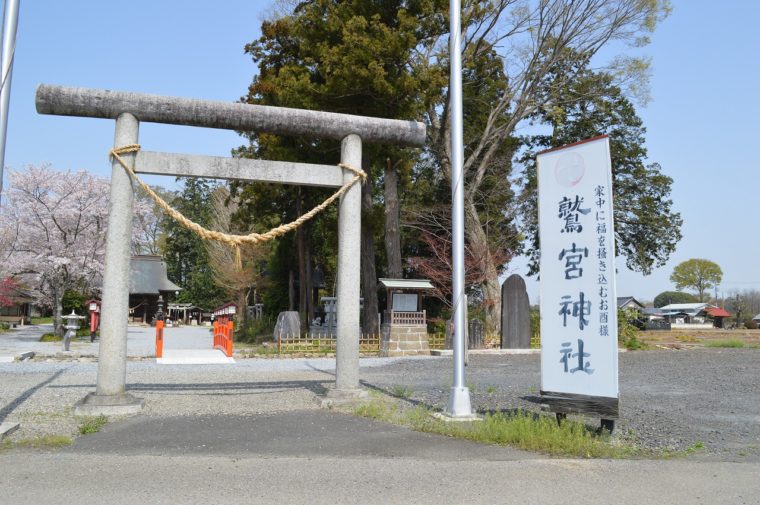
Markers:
{"x": 50, "y": 337}
{"x": 729, "y": 343}
{"x": 40, "y": 442}
{"x": 42, "y": 320}
{"x": 404, "y": 392}
{"x": 519, "y": 429}
{"x": 91, "y": 424}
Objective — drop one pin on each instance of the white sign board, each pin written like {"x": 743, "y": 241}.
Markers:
{"x": 578, "y": 303}
{"x": 403, "y": 302}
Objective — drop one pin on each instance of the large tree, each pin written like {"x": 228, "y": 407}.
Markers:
{"x": 647, "y": 228}
{"x": 53, "y": 232}
{"x": 390, "y": 59}
{"x": 698, "y": 274}
{"x": 350, "y": 57}
{"x": 528, "y": 40}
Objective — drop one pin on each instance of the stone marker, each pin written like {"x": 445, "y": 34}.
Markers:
{"x": 515, "y": 314}
{"x": 447, "y": 335}
{"x": 476, "y": 334}
{"x": 288, "y": 325}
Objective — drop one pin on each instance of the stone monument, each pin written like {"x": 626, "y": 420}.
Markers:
{"x": 515, "y": 314}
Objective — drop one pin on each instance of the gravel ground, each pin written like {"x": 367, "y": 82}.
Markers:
{"x": 670, "y": 399}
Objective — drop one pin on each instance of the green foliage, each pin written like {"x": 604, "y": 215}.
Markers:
{"x": 92, "y": 424}
{"x": 697, "y": 273}
{"x": 668, "y": 297}
{"x": 400, "y": 391}
{"x": 535, "y": 327}
{"x": 74, "y": 300}
{"x": 186, "y": 257}
{"x": 750, "y": 323}
{"x": 627, "y": 331}
{"x": 51, "y": 337}
{"x": 255, "y": 331}
{"x": 39, "y": 442}
{"x": 647, "y": 228}
{"x": 519, "y": 429}
{"x": 734, "y": 343}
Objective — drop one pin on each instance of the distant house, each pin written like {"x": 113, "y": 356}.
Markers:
{"x": 21, "y": 309}
{"x": 148, "y": 281}
{"x": 694, "y": 315}
{"x": 629, "y": 302}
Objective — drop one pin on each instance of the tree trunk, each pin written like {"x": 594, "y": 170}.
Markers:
{"x": 291, "y": 290}
{"x": 368, "y": 273}
{"x": 241, "y": 299}
{"x": 481, "y": 253}
{"x": 303, "y": 243}
{"x": 58, "y": 310}
{"x": 392, "y": 229}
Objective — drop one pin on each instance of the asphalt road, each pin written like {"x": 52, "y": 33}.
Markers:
{"x": 253, "y": 433}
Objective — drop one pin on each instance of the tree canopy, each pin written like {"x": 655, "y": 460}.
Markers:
{"x": 698, "y": 274}
{"x": 668, "y": 297}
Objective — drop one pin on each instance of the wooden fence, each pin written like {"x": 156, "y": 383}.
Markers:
{"x": 321, "y": 344}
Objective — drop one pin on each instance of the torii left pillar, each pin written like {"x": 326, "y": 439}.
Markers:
{"x": 110, "y": 396}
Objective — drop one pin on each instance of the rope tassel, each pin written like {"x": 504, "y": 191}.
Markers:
{"x": 232, "y": 240}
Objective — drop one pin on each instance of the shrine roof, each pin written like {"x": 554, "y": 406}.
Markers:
{"x": 406, "y": 284}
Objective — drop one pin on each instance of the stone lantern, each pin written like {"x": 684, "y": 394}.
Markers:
{"x": 71, "y": 326}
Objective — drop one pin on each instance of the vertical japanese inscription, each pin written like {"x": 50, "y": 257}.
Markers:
{"x": 578, "y": 307}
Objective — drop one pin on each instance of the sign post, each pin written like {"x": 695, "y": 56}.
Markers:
{"x": 579, "y": 355}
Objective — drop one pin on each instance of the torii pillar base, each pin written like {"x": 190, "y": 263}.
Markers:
{"x": 343, "y": 397}
{"x": 108, "y": 405}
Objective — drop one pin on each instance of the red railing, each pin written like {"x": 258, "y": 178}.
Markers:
{"x": 223, "y": 331}
{"x": 159, "y": 339}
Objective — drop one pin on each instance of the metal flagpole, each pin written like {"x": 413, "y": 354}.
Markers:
{"x": 459, "y": 396}
{"x": 10, "y": 22}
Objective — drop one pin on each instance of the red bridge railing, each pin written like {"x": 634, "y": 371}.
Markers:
{"x": 159, "y": 339}
{"x": 223, "y": 331}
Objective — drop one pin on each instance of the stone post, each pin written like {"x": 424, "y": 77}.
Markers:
{"x": 110, "y": 397}
{"x": 515, "y": 314}
{"x": 349, "y": 255}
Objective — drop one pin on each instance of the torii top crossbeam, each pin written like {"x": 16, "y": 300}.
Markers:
{"x": 107, "y": 104}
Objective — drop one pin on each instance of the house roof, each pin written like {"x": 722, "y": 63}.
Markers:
{"x": 406, "y": 284}
{"x": 684, "y": 306}
{"x": 622, "y": 301}
{"x": 717, "y": 312}
{"x": 147, "y": 276}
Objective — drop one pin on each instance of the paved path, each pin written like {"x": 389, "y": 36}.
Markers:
{"x": 323, "y": 457}
{"x": 141, "y": 341}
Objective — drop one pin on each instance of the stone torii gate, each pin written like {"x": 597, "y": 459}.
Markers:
{"x": 129, "y": 109}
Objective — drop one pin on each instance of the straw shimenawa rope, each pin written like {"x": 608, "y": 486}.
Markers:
{"x": 234, "y": 241}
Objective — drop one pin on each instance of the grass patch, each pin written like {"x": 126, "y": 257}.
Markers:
{"x": 92, "y": 424}
{"x": 729, "y": 342}
{"x": 50, "y": 337}
{"x": 40, "y": 442}
{"x": 520, "y": 429}
{"x": 42, "y": 320}
{"x": 401, "y": 392}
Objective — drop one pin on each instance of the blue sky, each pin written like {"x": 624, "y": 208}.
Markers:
{"x": 702, "y": 121}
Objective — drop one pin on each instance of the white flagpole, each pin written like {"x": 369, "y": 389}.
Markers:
{"x": 459, "y": 396}
{"x": 10, "y": 23}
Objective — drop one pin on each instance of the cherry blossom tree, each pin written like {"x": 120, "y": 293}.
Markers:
{"x": 53, "y": 232}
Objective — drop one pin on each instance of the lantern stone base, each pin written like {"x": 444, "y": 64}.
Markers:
{"x": 406, "y": 340}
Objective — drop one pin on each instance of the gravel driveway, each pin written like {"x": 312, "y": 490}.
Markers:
{"x": 668, "y": 398}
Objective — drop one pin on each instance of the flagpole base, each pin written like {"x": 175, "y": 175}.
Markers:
{"x": 459, "y": 404}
